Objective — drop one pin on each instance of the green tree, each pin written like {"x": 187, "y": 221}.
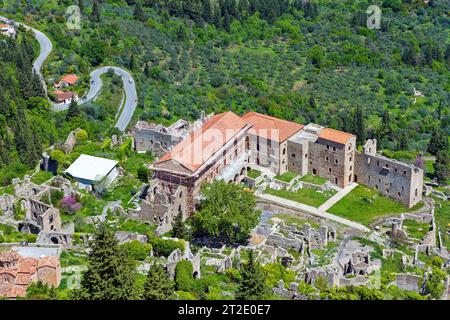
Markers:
{"x": 253, "y": 281}
{"x": 438, "y": 141}
{"x": 95, "y": 15}
{"x": 179, "y": 228}
{"x": 73, "y": 111}
{"x": 158, "y": 285}
{"x": 139, "y": 13}
{"x": 110, "y": 273}
{"x": 142, "y": 174}
{"x": 442, "y": 166}
{"x": 227, "y": 213}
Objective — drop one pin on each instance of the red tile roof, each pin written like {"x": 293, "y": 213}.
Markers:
{"x": 27, "y": 265}
{"x": 270, "y": 127}
{"x": 203, "y": 143}
{"x": 63, "y": 95}
{"x": 340, "y": 137}
{"x": 51, "y": 261}
{"x": 70, "y": 79}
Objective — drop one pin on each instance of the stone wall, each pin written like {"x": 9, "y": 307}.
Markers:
{"x": 332, "y": 161}
{"x": 394, "y": 179}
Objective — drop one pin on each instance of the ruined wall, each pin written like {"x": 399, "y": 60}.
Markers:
{"x": 154, "y": 141}
{"x": 394, "y": 179}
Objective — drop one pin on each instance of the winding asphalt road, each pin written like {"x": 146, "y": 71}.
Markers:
{"x": 96, "y": 83}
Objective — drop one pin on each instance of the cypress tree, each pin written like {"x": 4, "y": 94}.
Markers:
{"x": 158, "y": 285}
{"x": 111, "y": 272}
{"x": 438, "y": 141}
{"x": 73, "y": 110}
{"x": 442, "y": 166}
{"x": 179, "y": 229}
{"x": 95, "y": 16}
{"x": 253, "y": 283}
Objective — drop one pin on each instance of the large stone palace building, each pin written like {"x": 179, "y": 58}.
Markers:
{"x": 226, "y": 146}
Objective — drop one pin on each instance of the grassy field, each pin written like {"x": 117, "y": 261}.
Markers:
{"x": 41, "y": 177}
{"x": 442, "y": 216}
{"x": 416, "y": 229}
{"x": 307, "y": 196}
{"x": 253, "y": 173}
{"x": 287, "y": 176}
{"x": 364, "y": 205}
{"x": 313, "y": 179}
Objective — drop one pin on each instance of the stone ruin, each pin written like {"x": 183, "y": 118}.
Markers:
{"x": 330, "y": 275}
{"x": 177, "y": 256}
{"x": 7, "y": 205}
{"x": 358, "y": 264}
{"x": 298, "y": 239}
{"x": 70, "y": 142}
{"x": 124, "y": 237}
{"x": 409, "y": 282}
{"x": 290, "y": 293}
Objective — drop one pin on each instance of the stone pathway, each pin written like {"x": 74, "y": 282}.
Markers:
{"x": 311, "y": 210}
{"x": 338, "y": 196}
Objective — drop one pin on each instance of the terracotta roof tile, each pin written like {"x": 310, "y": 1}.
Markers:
{"x": 63, "y": 95}
{"x": 270, "y": 127}
{"x": 203, "y": 143}
{"x": 70, "y": 79}
{"x": 51, "y": 261}
{"x": 27, "y": 265}
{"x": 23, "y": 279}
{"x": 340, "y": 137}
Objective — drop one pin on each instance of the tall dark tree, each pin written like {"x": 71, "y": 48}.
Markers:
{"x": 442, "y": 166}
{"x": 81, "y": 6}
{"x": 359, "y": 124}
{"x": 207, "y": 11}
{"x": 73, "y": 111}
{"x": 110, "y": 273}
{"x": 438, "y": 141}
{"x": 253, "y": 281}
{"x": 139, "y": 13}
{"x": 158, "y": 285}
{"x": 179, "y": 228}
{"x": 95, "y": 15}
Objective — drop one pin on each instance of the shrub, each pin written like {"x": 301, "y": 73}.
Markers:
{"x": 184, "y": 278}
{"x": 163, "y": 247}
{"x": 137, "y": 250}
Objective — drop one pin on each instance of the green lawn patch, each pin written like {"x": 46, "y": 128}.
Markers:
{"x": 41, "y": 177}
{"x": 416, "y": 229}
{"x": 8, "y": 190}
{"x": 442, "y": 215}
{"x": 70, "y": 258}
{"x": 123, "y": 189}
{"x": 313, "y": 179}
{"x": 253, "y": 173}
{"x": 307, "y": 196}
{"x": 364, "y": 205}
{"x": 136, "y": 161}
{"x": 287, "y": 176}
{"x": 10, "y": 234}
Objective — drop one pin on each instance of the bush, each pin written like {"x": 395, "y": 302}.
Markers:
{"x": 137, "y": 250}
{"x": 164, "y": 248}
{"x": 184, "y": 278}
